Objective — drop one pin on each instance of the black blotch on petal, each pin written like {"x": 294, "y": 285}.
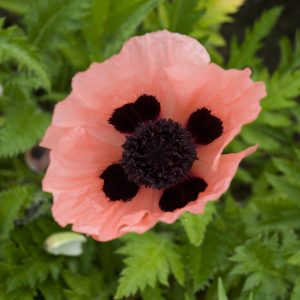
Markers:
{"x": 116, "y": 185}
{"x": 204, "y": 127}
{"x": 127, "y": 117}
{"x": 181, "y": 194}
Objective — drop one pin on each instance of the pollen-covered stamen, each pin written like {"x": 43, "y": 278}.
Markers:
{"x": 158, "y": 154}
{"x": 204, "y": 126}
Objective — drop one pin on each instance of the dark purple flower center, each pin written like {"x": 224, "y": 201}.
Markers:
{"x": 158, "y": 154}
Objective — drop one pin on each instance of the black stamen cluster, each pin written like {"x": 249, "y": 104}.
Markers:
{"x": 158, "y": 154}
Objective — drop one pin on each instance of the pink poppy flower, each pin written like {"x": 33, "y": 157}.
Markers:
{"x": 140, "y": 138}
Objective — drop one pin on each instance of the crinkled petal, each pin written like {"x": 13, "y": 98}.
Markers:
{"x": 77, "y": 161}
{"x": 230, "y": 95}
{"x": 138, "y": 69}
{"x": 142, "y": 213}
{"x": 218, "y": 181}
{"x": 118, "y": 218}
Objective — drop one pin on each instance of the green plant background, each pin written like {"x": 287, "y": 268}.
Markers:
{"x": 246, "y": 245}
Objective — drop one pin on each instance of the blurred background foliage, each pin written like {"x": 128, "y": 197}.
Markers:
{"x": 246, "y": 246}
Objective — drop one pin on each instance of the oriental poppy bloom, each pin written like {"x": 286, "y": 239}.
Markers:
{"x": 140, "y": 138}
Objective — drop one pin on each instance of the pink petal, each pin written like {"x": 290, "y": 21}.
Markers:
{"x": 230, "y": 95}
{"x": 118, "y": 218}
{"x": 78, "y": 160}
{"x": 218, "y": 181}
{"x": 142, "y": 213}
{"x": 138, "y": 69}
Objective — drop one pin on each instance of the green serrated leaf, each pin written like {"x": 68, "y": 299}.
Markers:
{"x": 284, "y": 186}
{"x": 203, "y": 262}
{"x": 152, "y": 293}
{"x": 294, "y": 259}
{"x": 14, "y": 46}
{"x": 150, "y": 259}
{"x": 296, "y": 290}
{"x": 48, "y": 17}
{"x": 24, "y": 126}
{"x": 127, "y": 20}
{"x": 274, "y": 119}
{"x": 217, "y": 12}
{"x": 262, "y": 261}
{"x": 281, "y": 89}
{"x": 221, "y": 290}
{"x": 245, "y": 54}
{"x": 195, "y": 225}
{"x": 32, "y": 272}
{"x": 11, "y": 203}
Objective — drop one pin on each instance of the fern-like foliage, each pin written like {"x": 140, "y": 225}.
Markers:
{"x": 245, "y": 54}
{"x": 201, "y": 19}
{"x": 120, "y": 22}
{"x": 195, "y": 225}
{"x": 215, "y": 13}
{"x": 296, "y": 290}
{"x": 150, "y": 259}
{"x": 84, "y": 287}
{"x": 290, "y": 56}
{"x": 283, "y": 88}
{"x": 263, "y": 261}
{"x": 49, "y": 20}
{"x": 11, "y": 203}
{"x": 26, "y": 123}
{"x": 15, "y": 48}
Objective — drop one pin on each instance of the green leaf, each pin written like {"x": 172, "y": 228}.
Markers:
{"x": 15, "y": 6}
{"x": 180, "y": 15}
{"x": 152, "y": 293}
{"x": 22, "y": 293}
{"x": 32, "y": 272}
{"x": 282, "y": 88}
{"x": 245, "y": 54}
{"x": 150, "y": 259}
{"x": 284, "y": 186}
{"x": 11, "y": 203}
{"x": 255, "y": 135}
{"x": 262, "y": 261}
{"x": 122, "y": 22}
{"x": 296, "y": 290}
{"x": 14, "y": 47}
{"x": 294, "y": 259}
{"x": 274, "y": 119}
{"x": 195, "y": 225}
{"x": 289, "y": 59}
{"x": 49, "y": 20}
{"x": 289, "y": 169}
{"x": 24, "y": 126}
{"x": 217, "y": 11}
{"x": 51, "y": 290}
{"x": 82, "y": 287}
{"x": 204, "y": 262}
{"x": 221, "y": 290}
